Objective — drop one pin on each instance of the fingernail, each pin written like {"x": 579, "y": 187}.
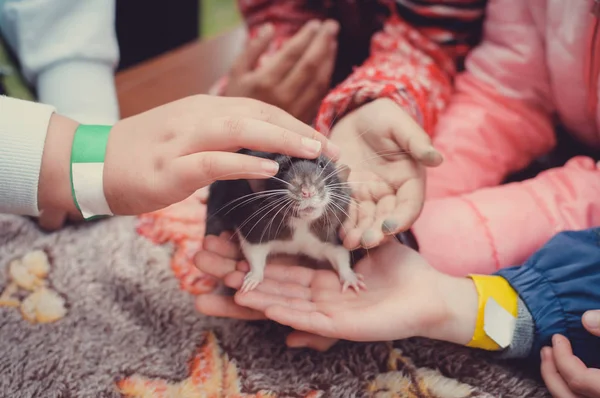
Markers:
{"x": 332, "y": 27}
{"x": 544, "y": 353}
{"x": 265, "y": 30}
{"x": 312, "y": 145}
{"x": 592, "y": 319}
{"x": 313, "y": 24}
{"x": 555, "y": 339}
{"x": 270, "y": 167}
{"x": 432, "y": 156}
{"x": 368, "y": 238}
{"x": 390, "y": 226}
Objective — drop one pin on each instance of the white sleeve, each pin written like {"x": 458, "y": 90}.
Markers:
{"x": 68, "y": 49}
{"x": 23, "y": 128}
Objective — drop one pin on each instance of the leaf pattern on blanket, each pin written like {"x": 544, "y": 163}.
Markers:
{"x": 212, "y": 375}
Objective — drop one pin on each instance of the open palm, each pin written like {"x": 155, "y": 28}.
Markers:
{"x": 386, "y": 151}
{"x": 403, "y": 300}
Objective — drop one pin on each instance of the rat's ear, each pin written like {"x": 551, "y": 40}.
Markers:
{"x": 343, "y": 172}
{"x": 257, "y": 185}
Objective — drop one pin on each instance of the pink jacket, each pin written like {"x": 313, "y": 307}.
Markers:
{"x": 539, "y": 59}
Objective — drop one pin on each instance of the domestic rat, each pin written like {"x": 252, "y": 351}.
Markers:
{"x": 298, "y": 212}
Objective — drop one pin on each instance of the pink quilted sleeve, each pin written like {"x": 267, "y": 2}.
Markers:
{"x": 492, "y": 228}
{"x": 499, "y": 118}
{"x": 404, "y": 66}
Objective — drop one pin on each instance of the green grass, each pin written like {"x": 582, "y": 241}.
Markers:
{"x": 218, "y": 16}
{"x": 14, "y": 83}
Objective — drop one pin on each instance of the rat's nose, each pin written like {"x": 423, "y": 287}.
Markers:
{"x": 308, "y": 192}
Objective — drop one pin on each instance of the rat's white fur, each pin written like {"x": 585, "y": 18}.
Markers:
{"x": 302, "y": 242}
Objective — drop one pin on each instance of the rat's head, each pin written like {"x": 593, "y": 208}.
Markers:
{"x": 312, "y": 187}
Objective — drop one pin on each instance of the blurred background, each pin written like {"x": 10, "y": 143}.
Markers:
{"x": 164, "y": 26}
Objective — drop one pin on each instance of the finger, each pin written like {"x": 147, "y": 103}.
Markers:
{"x": 591, "y": 322}
{"x": 366, "y": 220}
{"x": 308, "y": 103}
{"x": 295, "y": 274}
{"x": 289, "y": 54}
{"x": 409, "y": 135}
{"x": 312, "y": 322}
{"x": 51, "y": 219}
{"x": 213, "y": 264}
{"x": 260, "y": 301}
{"x": 578, "y": 377}
{"x": 299, "y": 339}
{"x": 554, "y": 382}
{"x": 350, "y": 222}
{"x": 244, "y": 108}
{"x": 224, "y": 306}
{"x": 223, "y": 246}
{"x": 385, "y": 211}
{"x": 232, "y": 134}
{"x": 203, "y": 195}
{"x": 253, "y": 50}
{"x": 410, "y": 198}
{"x": 308, "y": 71}
{"x": 268, "y": 287}
{"x": 365, "y": 213}
{"x": 188, "y": 173}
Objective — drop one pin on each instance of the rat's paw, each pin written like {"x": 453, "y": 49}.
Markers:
{"x": 353, "y": 280}
{"x": 251, "y": 281}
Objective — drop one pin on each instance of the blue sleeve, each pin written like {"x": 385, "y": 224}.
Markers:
{"x": 558, "y": 284}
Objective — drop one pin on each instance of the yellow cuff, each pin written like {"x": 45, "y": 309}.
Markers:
{"x": 501, "y": 301}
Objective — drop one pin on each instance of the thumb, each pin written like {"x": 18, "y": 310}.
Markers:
{"x": 300, "y": 339}
{"x": 591, "y": 321}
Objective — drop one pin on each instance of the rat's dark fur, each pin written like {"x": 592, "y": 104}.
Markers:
{"x": 226, "y": 212}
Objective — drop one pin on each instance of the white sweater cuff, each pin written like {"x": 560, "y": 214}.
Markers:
{"x": 23, "y": 128}
{"x": 81, "y": 90}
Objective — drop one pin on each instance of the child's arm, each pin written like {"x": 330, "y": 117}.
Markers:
{"x": 403, "y": 66}
{"x": 68, "y": 50}
{"x": 413, "y": 64}
{"x": 499, "y": 118}
{"x": 46, "y": 165}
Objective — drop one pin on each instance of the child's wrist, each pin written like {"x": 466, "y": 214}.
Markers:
{"x": 459, "y": 322}
{"x": 54, "y": 188}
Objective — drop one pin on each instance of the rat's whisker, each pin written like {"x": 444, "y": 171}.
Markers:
{"x": 251, "y": 198}
{"x": 280, "y": 180}
{"x": 343, "y": 212}
{"x": 270, "y": 224}
{"x": 340, "y": 209}
{"x": 289, "y": 207}
{"x": 273, "y": 208}
{"x": 266, "y": 208}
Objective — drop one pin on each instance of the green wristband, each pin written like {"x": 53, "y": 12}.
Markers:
{"x": 87, "y": 170}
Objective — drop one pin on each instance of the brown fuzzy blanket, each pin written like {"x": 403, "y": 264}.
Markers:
{"x": 107, "y": 310}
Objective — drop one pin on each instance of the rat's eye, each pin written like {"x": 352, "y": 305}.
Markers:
{"x": 321, "y": 164}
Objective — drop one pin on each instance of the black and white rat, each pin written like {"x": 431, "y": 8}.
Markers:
{"x": 298, "y": 211}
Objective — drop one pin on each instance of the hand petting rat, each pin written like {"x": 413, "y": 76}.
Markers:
{"x": 298, "y": 212}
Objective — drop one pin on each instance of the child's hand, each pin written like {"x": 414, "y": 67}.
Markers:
{"x": 163, "y": 156}
{"x": 386, "y": 151}
{"x": 296, "y": 78}
{"x": 564, "y": 374}
{"x": 405, "y": 298}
